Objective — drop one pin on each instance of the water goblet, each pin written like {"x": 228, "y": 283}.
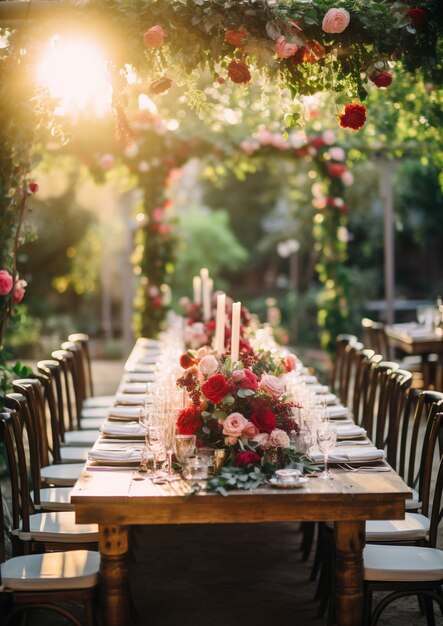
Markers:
{"x": 184, "y": 447}
{"x": 326, "y": 439}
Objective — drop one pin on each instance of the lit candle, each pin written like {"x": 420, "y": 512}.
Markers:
{"x": 197, "y": 286}
{"x": 235, "y": 331}
{"x": 204, "y": 273}
{"x": 220, "y": 323}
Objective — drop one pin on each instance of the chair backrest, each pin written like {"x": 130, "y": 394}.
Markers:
{"x": 82, "y": 339}
{"x": 67, "y": 363}
{"x": 341, "y": 371}
{"x": 377, "y": 400}
{"x": 10, "y": 436}
{"x": 78, "y": 374}
{"x": 388, "y": 433}
{"x": 51, "y": 370}
{"x": 374, "y": 336}
{"x": 366, "y": 360}
{"x": 437, "y": 504}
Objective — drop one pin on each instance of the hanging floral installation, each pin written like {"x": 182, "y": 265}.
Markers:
{"x": 307, "y": 47}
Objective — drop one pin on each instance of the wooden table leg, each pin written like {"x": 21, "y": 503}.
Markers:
{"x": 114, "y": 592}
{"x": 349, "y": 597}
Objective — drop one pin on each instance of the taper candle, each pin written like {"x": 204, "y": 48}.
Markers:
{"x": 220, "y": 324}
{"x": 235, "y": 331}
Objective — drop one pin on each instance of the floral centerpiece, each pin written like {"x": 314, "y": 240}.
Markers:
{"x": 241, "y": 407}
{"x": 199, "y": 332}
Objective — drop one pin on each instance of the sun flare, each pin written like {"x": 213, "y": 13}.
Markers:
{"x": 74, "y": 71}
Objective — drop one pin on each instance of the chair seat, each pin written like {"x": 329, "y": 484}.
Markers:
{"x": 74, "y": 455}
{"x": 93, "y": 424}
{"x": 413, "y": 504}
{"x": 95, "y": 413}
{"x": 55, "y": 499}
{"x": 402, "y": 563}
{"x": 79, "y": 438}
{"x": 413, "y": 528}
{"x": 59, "y": 526}
{"x": 77, "y": 569}
{"x": 64, "y": 475}
{"x": 98, "y": 401}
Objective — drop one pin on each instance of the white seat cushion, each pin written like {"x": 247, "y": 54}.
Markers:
{"x": 64, "y": 475}
{"x": 74, "y": 455}
{"x": 59, "y": 526}
{"x": 55, "y": 499}
{"x": 77, "y": 569}
{"x": 403, "y": 563}
{"x": 80, "y": 438}
{"x": 94, "y": 413}
{"x": 99, "y": 401}
{"x": 413, "y": 528}
{"x": 413, "y": 504}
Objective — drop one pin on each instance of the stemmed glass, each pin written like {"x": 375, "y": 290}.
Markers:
{"x": 184, "y": 447}
{"x": 326, "y": 439}
{"x": 153, "y": 442}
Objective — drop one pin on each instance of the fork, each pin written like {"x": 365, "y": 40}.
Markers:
{"x": 363, "y": 468}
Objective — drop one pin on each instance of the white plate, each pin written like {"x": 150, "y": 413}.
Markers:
{"x": 293, "y": 484}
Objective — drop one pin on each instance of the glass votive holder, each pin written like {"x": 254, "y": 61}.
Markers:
{"x": 195, "y": 469}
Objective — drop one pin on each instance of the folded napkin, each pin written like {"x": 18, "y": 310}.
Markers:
{"x": 349, "y": 455}
{"x": 129, "y": 429}
{"x": 130, "y": 398}
{"x": 309, "y": 380}
{"x": 124, "y": 413}
{"x": 139, "y": 377}
{"x": 123, "y": 456}
{"x": 330, "y": 398}
{"x": 337, "y": 411}
{"x": 134, "y": 366}
{"x": 143, "y": 342}
{"x": 148, "y": 359}
{"x": 345, "y": 432}
{"x": 132, "y": 388}
{"x": 319, "y": 389}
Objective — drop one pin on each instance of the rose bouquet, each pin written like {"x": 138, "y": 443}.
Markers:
{"x": 199, "y": 332}
{"x": 241, "y": 407}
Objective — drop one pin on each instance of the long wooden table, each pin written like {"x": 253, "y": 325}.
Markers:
{"x": 115, "y": 500}
{"x": 418, "y": 342}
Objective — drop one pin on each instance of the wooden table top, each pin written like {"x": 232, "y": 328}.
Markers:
{"x": 120, "y": 497}
{"x": 413, "y": 339}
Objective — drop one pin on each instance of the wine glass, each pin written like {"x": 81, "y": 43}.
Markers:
{"x": 326, "y": 439}
{"x": 184, "y": 447}
{"x": 168, "y": 434}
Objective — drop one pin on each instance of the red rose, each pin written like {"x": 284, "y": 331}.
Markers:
{"x": 245, "y": 347}
{"x": 188, "y": 421}
{"x": 186, "y": 361}
{"x": 238, "y": 72}
{"x": 154, "y": 37}
{"x": 33, "y": 187}
{"x": 245, "y": 457}
{"x": 418, "y": 17}
{"x": 250, "y": 381}
{"x": 354, "y": 116}
{"x": 336, "y": 169}
{"x": 160, "y": 86}
{"x": 236, "y": 37}
{"x": 210, "y": 326}
{"x": 317, "y": 142}
{"x": 216, "y": 388}
{"x": 382, "y": 79}
{"x": 264, "y": 419}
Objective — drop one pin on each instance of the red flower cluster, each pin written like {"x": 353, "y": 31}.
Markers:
{"x": 382, "y": 79}
{"x": 236, "y": 37}
{"x": 188, "y": 421}
{"x": 264, "y": 419}
{"x": 238, "y": 72}
{"x": 418, "y": 17}
{"x": 336, "y": 169}
{"x": 245, "y": 457}
{"x": 216, "y": 388}
{"x": 354, "y": 116}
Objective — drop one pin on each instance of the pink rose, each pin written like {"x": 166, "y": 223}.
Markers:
{"x": 230, "y": 441}
{"x": 208, "y": 365}
{"x": 238, "y": 376}
{"x": 290, "y": 362}
{"x": 250, "y": 430}
{"x": 6, "y": 282}
{"x": 272, "y": 385}
{"x": 337, "y": 153}
{"x": 154, "y": 37}
{"x": 335, "y": 21}
{"x": 284, "y": 49}
{"x": 245, "y": 379}
{"x": 19, "y": 291}
{"x": 263, "y": 441}
{"x": 202, "y": 352}
{"x": 347, "y": 178}
{"x": 234, "y": 425}
{"x": 279, "y": 439}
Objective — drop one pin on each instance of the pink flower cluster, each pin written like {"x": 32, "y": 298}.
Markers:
{"x": 7, "y": 284}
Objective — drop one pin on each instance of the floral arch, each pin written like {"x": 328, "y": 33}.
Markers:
{"x": 306, "y": 47}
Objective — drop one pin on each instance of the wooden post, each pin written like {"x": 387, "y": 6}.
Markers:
{"x": 114, "y": 592}
{"x": 349, "y": 596}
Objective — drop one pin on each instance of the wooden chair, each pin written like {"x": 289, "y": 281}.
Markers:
{"x": 33, "y": 531}
{"x": 374, "y": 337}
{"x": 408, "y": 570}
{"x": 341, "y": 371}
{"x": 36, "y": 581}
